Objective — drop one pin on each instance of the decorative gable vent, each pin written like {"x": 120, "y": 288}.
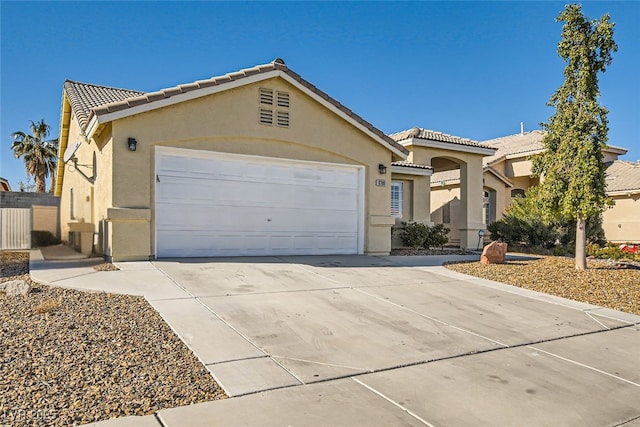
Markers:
{"x": 266, "y": 116}
{"x": 283, "y": 118}
{"x": 269, "y": 115}
{"x": 266, "y": 96}
{"x": 283, "y": 99}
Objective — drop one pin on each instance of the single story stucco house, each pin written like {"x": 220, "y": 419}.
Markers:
{"x": 255, "y": 162}
{"x": 507, "y": 174}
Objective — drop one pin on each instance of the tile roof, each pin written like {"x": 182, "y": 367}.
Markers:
{"x": 406, "y": 164}
{"x": 622, "y": 175}
{"x": 525, "y": 144}
{"x": 528, "y": 142}
{"x": 108, "y": 100}
{"x": 85, "y": 97}
{"x": 432, "y": 135}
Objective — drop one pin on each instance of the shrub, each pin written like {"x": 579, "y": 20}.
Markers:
{"x": 418, "y": 235}
{"x": 610, "y": 251}
{"x": 523, "y": 222}
{"x": 43, "y": 238}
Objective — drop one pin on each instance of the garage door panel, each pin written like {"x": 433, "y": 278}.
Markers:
{"x": 235, "y": 218}
{"x": 242, "y": 205}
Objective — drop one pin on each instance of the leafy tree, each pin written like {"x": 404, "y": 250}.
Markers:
{"x": 40, "y": 156}
{"x": 524, "y": 222}
{"x": 571, "y": 166}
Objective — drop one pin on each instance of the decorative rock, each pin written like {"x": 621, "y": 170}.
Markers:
{"x": 15, "y": 287}
{"x": 494, "y": 253}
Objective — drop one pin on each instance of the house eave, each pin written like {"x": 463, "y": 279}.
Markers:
{"x": 623, "y": 192}
{"x": 407, "y": 170}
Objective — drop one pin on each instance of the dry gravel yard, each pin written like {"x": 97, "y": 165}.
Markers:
{"x": 603, "y": 283}
{"x": 70, "y": 357}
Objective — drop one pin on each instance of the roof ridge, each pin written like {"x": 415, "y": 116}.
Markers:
{"x": 141, "y": 98}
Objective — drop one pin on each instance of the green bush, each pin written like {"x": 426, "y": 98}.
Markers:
{"x": 418, "y": 235}
{"x": 524, "y": 222}
{"x": 43, "y": 238}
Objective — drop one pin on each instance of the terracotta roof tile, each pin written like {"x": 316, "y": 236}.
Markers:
{"x": 112, "y": 99}
{"x": 406, "y": 164}
{"x": 84, "y": 97}
{"x": 622, "y": 175}
{"x": 529, "y": 142}
{"x": 432, "y": 135}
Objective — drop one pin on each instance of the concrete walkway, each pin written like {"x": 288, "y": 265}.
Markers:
{"x": 378, "y": 341}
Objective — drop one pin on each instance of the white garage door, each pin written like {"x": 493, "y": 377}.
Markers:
{"x": 217, "y": 204}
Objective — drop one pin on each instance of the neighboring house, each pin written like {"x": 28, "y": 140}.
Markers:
{"x": 4, "y": 185}
{"x": 507, "y": 174}
{"x": 255, "y": 162}
{"x": 621, "y": 222}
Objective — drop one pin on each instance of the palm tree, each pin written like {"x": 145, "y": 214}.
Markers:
{"x": 40, "y": 156}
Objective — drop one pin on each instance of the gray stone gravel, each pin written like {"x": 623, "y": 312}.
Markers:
{"x": 69, "y": 357}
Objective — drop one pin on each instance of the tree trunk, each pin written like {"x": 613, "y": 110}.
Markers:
{"x": 52, "y": 185}
{"x": 581, "y": 243}
{"x": 40, "y": 184}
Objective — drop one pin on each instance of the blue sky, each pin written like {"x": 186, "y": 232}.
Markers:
{"x": 473, "y": 69}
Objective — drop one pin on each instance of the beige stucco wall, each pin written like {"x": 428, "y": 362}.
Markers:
{"x": 447, "y": 197}
{"x": 518, "y": 168}
{"x": 415, "y": 203}
{"x": 228, "y": 122}
{"x": 90, "y": 200}
{"x": 469, "y": 219}
{"x": 621, "y": 223}
{"x": 491, "y": 182}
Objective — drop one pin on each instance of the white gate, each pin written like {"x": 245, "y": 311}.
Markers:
{"x": 15, "y": 228}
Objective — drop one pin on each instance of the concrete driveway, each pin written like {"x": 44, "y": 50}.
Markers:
{"x": 395, "y": 341}
{"x": 381, "y": 341}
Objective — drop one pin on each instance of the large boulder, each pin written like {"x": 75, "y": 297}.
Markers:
{"x": 15, "y": 287}
{"x": 494, "y": 253}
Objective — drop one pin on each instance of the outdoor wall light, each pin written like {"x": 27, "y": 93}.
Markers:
{"x": 131, "y": 144}
{"x": 382, "y": 169}
{"x": 480, "y": 236}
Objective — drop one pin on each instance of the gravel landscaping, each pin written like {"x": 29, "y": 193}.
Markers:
{"x": 69, "y": 357}
{"x": 606, "y": 284}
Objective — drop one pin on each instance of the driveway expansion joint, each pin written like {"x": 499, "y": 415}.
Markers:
{"x": 393, "y": 402}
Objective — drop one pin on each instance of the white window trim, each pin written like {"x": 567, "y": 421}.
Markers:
{"x": 397, "y": 188}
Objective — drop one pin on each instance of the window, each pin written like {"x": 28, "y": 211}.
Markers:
{"x": 396, "y": 199}
{"x": 268, "y": 115}
{"x": 517, "y": 193}
{"x": 72, "y": 213}
{"x": 489, "y": 207}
